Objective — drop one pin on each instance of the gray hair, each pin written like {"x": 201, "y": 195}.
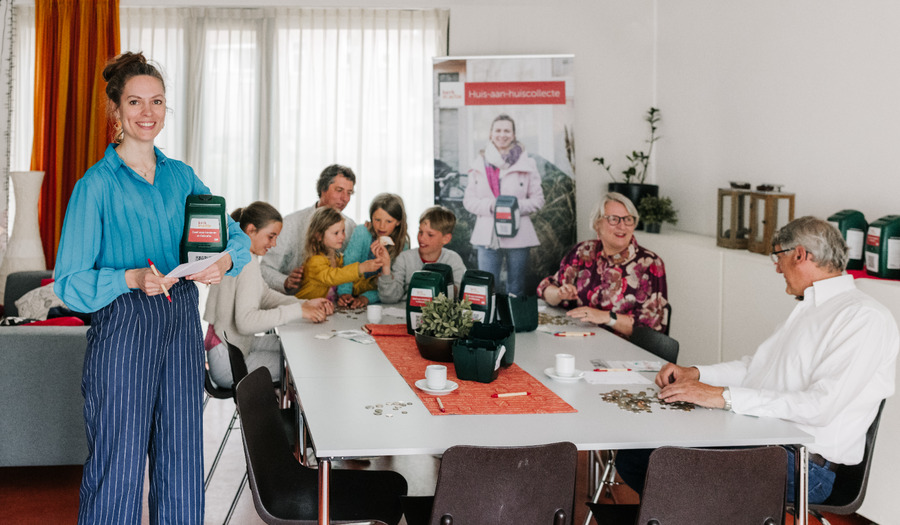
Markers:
{"x": 613, "y": 196}
{"x": 330, "y": 173}
{"x": 821, "y": 240}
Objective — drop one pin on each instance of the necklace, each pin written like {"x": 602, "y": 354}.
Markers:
{"x": 147, "y": 174}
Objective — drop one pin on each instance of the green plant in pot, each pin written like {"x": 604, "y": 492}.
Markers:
{"x": 655, "y": 211}
{"x": 632, "y": 184}
{"x": 443, "y": 320}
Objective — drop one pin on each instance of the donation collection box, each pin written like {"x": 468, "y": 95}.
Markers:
{"x": 883, "y": 247}
{"x": 424, "y": 286}
{"x": 852, "y": 225}
{"x": 205, "y": 228}
{"x": 478, "y": 287}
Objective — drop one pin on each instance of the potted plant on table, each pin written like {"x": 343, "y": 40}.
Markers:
{"x": 655, "y": 211}
{"x": 443, "y": 320}
{"x": 632, "y": 185}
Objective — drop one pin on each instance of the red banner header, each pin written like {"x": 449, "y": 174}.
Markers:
{"x": 510, "y": 93}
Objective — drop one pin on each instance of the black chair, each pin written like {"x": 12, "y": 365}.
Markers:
{"x": 500, "y": 485}
{"x": 657, "y": 343}
{"x": 285, "y": 492}
{"x": 707, "y": 487}
{"x": 238, "y": 372}
{"x": 660, "y": 345}
{"x": 850, "y": 481}
{"x": 668, "y": 314}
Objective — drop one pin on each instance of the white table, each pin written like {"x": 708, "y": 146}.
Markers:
{"x": 336, "y": 379}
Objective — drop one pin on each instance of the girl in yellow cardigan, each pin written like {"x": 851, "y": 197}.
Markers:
{"x": 324, "y": 268}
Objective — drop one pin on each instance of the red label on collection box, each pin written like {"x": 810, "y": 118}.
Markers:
{"x": 203, "y": 235}
{"x": 873, "y": 240}
{"x": 510, "y": 93}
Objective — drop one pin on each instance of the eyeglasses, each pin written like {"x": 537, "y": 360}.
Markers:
{"x": 614, "y": 219}
{"x": 774, "y": 255}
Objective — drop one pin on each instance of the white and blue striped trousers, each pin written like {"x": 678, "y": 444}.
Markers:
{"x": 143, "y": 388}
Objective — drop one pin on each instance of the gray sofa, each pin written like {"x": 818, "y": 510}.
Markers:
{"x": 41, "y": 418}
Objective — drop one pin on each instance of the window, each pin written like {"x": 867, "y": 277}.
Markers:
{"x": 261, "y": 99}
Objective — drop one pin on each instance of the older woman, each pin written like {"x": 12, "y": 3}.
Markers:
{"x": 611, "y": 281}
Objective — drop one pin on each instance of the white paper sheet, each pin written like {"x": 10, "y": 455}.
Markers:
{"x": 616, "y": 378}
{"x": 183, "y": 270}
{"x": 395, "y": 312}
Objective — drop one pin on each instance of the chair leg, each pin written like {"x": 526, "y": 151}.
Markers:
{"x": 215, "y": 462}
{"x": 607, "y": 480}
{"x": 237, "y": 497}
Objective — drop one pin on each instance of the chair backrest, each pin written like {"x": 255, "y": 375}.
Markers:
{"x": 270, "y": 463}
{"x": 502, "y": 485}
{"x": 656, "y": 343}
{"x": 668, "y": 314}
{"x": 850, "y": 481}
{"x": 238, "y": 365}
{"x": 714, "y": 486}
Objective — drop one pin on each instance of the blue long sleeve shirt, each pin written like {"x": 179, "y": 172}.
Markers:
{"x": 116, "y": 220}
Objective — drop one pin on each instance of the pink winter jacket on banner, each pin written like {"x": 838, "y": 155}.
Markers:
{"x": 520, "y": 180}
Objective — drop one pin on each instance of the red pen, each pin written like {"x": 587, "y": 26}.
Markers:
{"x": 613, "y": 370}
{"x": 156, "y": 273}
{"x": 573, "y": 334}
{"x": 512, "y": 394}
{"x": 441, "y": 405}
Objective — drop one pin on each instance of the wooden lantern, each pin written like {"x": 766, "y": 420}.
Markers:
{"x": 734, "y": 233}
{"x": 764, "y": 218}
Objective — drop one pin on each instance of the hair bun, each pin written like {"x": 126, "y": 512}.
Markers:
{"x": 122, "y": 63}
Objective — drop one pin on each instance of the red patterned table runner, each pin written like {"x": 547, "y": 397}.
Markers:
{"x": 471, "y": 397}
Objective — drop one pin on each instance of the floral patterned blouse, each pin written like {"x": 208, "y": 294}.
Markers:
{"x": 634, "y": 285}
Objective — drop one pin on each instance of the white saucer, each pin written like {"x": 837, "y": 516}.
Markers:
{"x": 451, "y": 386}
{"x": 551, "y": 373}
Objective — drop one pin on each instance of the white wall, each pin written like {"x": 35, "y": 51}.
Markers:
{"x": 800, "y": 92}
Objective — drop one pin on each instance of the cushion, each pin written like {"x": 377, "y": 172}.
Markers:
{"x": 36, "y": 303}
{"x": 59, "y": 321}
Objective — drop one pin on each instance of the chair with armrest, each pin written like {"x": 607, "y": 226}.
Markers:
{"x": 707, "y": 487}
{"x": 660, "y": 345}
{"x": 500, "y": 485}
{"x": 850, "y": 481}
{"x": 285, "y": 492}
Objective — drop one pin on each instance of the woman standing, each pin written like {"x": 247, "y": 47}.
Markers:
{"x": 143, "y": 369}
{"x": 503, "y": 168}
{"x": 611, "y": 281}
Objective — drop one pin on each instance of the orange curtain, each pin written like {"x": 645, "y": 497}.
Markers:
{"x": 74, "y": 40}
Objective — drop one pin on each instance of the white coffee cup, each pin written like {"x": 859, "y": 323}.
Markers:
{"x": 373, "y": 313}
{"x": 565, "y": 365}
{"x": 436, "y": 377}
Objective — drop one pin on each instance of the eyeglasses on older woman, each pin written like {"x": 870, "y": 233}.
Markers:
{"x": 613, "y": 220}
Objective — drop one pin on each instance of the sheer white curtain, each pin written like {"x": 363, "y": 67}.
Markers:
{"x": 262, "y": 99}
{"x": 353, "y": 86}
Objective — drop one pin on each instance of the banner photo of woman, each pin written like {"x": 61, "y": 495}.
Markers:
{"x": 504, "y": 163}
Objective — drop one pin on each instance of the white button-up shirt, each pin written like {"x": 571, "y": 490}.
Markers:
{"x": 826, "y": 368}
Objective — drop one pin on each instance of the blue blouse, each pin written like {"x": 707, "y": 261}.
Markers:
{"x": 116, "y": 220}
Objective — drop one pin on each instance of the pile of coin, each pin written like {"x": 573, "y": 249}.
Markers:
{"x": 389, "y": 409}
{"x": 642, "y": 401}
{"x": 556, "y": 320}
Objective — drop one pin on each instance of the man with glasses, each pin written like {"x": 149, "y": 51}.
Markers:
{"x": 611, "y": 281}
{"x": 282, "y": 265}
{"x": 827, "y": 368}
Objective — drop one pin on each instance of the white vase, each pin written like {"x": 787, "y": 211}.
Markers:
{"x": 24, "y": 252}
